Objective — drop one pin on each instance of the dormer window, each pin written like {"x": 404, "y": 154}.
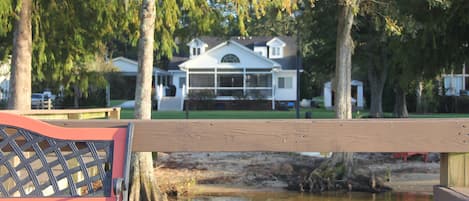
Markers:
{"x": 275, "y": 51}
{"x": 196, "y": 47}
{"x": 196, "y": 51}
{"x": 276, "y": 48}
{"x": 230, "y": 58}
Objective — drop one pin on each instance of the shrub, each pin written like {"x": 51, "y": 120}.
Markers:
{"x": 201, "y": 100}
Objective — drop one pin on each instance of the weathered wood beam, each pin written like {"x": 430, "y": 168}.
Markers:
{"x": 454, "y": 169}
{"x": 409, "y": 135}
{"x": 109, "y": 113}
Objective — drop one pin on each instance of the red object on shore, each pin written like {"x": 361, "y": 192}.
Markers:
{"x": 405, "y": 155}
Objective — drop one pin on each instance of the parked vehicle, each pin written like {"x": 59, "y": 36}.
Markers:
{"x": 37, "y": 100}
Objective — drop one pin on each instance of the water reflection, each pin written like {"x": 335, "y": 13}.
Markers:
{"x": 307, "y": 197}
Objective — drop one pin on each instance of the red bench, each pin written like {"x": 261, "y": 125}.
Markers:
{"x": 43, "y": 162}
{"x": 405, "y": 155}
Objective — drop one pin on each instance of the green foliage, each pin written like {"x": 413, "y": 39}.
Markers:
{"x": 318, "y": 46}
{"x": 201, "y": 95}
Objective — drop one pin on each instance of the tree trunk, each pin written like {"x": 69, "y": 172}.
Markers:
{"x": 377, "y": 80}
{"x": 343, "y": 73}
{"x": 419, "y": 108}
{"x": 20, "y": 80}
{"x": 376, "y": 106}
{"x": 344, "y": 49}
{"x": 325, "y": 176}
{"x": 144, "y": 186}
{"x": 400, "y": 106}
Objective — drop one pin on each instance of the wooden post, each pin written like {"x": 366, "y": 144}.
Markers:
{"x": 74, "y": 116}
{"x": 115, "y": 114}
{"x": 454, "y": 170}
{"x": 49, "y": 104}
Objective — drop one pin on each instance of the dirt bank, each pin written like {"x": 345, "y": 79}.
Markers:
{"x": 201, "y": 173}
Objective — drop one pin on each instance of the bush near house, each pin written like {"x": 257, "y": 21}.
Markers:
{"x": 205, "y": 100}
{"x": 201, "y": 100}
{"x": 454, "y": 104}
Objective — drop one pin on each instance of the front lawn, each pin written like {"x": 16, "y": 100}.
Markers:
{"x": 235, "y": 114}
{"x": 317, "y": 113}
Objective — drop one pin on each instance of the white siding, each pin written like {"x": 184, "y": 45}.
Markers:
{"x": 176, "y": 76}
{"x": 453, "y": 84}
{"x": 212, "y": 59}
{"x": 285, "y": 94}
{"x": 125, "y": 67}
{"x": 261, "y": 50}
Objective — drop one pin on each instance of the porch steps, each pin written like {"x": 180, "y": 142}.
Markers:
{"x": 170, "y": 104}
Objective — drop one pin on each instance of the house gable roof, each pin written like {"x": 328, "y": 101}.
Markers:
{"x": 289, "y": 60}
{"x": 276, "y": 42}
{"x": 196, "y": 42}
{"x": 212, "y": 57}
{"x": 130, "y": 67}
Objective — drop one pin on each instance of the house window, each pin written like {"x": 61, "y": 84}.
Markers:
{"x": 230, "y": 58}
{"x": 195, "y": 51}
{"x": 201, "y": 80}
{"x": 276, "y": 52}
{"x": 230, "y": 80}
{"x": 285, "y": 83}
{"x": 258, "y": 80}
{"x": 182, "y": 82}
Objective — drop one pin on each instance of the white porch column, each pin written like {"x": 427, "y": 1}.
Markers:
{"x": 155, "y": 82}
{"x": 187, "y": 82}
{"x": 273, "y": 90}
{"x": 244, "y": 81}
{"x": 215, "y": 81}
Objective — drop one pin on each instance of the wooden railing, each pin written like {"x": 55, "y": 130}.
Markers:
{"x": 447, "y": 136}
{"x": 105, "y": 113}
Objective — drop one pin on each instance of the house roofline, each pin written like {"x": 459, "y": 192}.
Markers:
{"x": 155, "y": 69}
{"x": 275, "y": 64}
{"x": 125, "y": 59}
{"x": 273, "y": 39}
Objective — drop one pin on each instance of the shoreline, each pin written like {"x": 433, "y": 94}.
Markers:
{"x": 181, "y": 174}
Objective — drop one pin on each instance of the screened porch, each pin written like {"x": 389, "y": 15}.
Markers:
{"x": 231, "y": 83}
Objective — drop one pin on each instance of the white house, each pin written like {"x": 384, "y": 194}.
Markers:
{"x": 357, "y": 94}
{"x": 455, "y": 84}
{"x": 250, "y": 67}
{"x": 129, "y": 69}
{"x": 4, "y": 80}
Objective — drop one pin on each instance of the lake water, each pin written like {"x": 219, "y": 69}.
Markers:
{"x": 288, "y": 196}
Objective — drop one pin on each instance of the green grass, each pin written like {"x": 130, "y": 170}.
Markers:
{"x": 439, "y": 115}
{"x": 234, "y": 114}
{"x": 320, "y": 113}
{"x": 115, "y": 103}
